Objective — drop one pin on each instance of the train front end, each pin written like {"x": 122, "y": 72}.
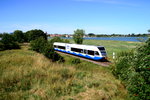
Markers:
{"x": 102, "y": 51}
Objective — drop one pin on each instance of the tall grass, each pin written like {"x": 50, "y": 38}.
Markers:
{"x": 28, "y": 75}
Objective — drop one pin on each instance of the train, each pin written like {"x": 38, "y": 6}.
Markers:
{"x": 86, "y": 51}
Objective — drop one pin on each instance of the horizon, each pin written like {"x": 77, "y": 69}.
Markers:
{"x": 63, "y": 17}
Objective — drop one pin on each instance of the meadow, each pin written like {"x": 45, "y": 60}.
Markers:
{"x": 28, "y": 75}
{"x": 112, "y": 46}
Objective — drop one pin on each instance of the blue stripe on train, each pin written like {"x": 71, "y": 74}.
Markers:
{"x": 86, "y": 56}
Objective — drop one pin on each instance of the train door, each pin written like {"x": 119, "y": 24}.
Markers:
{"x": 68, "y": 48}
{"x": 85, "y": 51}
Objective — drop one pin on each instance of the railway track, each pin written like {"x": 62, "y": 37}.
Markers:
{"x": 104, "y": 63}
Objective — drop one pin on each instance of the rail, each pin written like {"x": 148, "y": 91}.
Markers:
{"x": 102, "y": 63}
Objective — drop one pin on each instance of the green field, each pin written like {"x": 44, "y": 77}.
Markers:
{"x": 112, "y": 46}
{"x": 25, "y": 74}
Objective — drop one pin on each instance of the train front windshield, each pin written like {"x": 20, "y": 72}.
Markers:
{"x": 102, "y": 50}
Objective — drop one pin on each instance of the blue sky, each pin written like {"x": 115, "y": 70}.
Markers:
{"x": 65, "y": 16}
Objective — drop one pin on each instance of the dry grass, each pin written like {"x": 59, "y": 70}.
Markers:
{"x": 28, "y": 75}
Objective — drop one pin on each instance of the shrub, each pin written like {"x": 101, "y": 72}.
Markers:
{"x": 49, "y": 52}
{"x": 134, "y": 69}
{"x": 42, "y": 46}
{"x": 2, "y": 46}
{"x": 123, "y": 65}
{"x": 38, "y": 44}
{"x": 8, "y": 42}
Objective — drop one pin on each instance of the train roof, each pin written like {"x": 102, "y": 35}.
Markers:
{"x": 77, "y": 44}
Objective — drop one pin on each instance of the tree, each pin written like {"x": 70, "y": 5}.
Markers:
{"x": 7, "y": 38}
{"x": 34, "y": 34}
{"x": 1, "y": 34}
{"x": 91, "y": 34}
{"x": 8, "y": 42}
{"x": 18, "y": 36}
{"x": 148, "y": 30}
{"x": 78, "y": 36}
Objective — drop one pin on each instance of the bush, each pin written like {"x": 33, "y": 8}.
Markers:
{"x": 49, "y": 52}
{"x": 8, "y": 42}
{"x": 133, "y": 68}
{"x": 38, "y": 44}
{"x": 42, "y": 46}
{"x": 2, "y": 46}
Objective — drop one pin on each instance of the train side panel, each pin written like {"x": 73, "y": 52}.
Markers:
{"x": 82, "y": 50}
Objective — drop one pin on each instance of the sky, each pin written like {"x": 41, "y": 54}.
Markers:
{"x": 65, "y": 16}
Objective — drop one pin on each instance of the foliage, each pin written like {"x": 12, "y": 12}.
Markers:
{"x": 2, "y": 46}
{"x": 78, "y": 36}
{"x": 18, "y": 36}
{"x": 1, "y": 35}
{"x": 134, "y": 69}
{"x": 38, "y": 44}
{"x": 91, "y": 34}
{"x": 34, "y": 34}
{"x": 42, "y": 46}
{"x": 49, "y": 52}
{"x": 7, "y": 42}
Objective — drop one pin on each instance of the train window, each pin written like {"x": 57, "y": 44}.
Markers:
{"x": 77, "y": 50}
{"x": 101, "y": 48}
{"x": 55, "y": 46}
{"x": 61, "y": 47}
{"x": 73, "y": 49}
{"x": 90, "y": 52}
{"x": 96, "y": 53}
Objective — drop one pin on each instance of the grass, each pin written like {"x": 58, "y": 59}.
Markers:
{"x": 28, "y": 75}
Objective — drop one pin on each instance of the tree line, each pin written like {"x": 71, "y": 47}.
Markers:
{"x": 37, "y": 39}
{"x": 10, "y": 41}
{"x": 118, "y": 35}
{"x": 38, "y": 42}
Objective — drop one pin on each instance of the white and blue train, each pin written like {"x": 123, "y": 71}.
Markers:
{"x": 87, "y": 51}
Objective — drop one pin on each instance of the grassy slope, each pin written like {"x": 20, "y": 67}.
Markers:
{"x": 28, "y": 75}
